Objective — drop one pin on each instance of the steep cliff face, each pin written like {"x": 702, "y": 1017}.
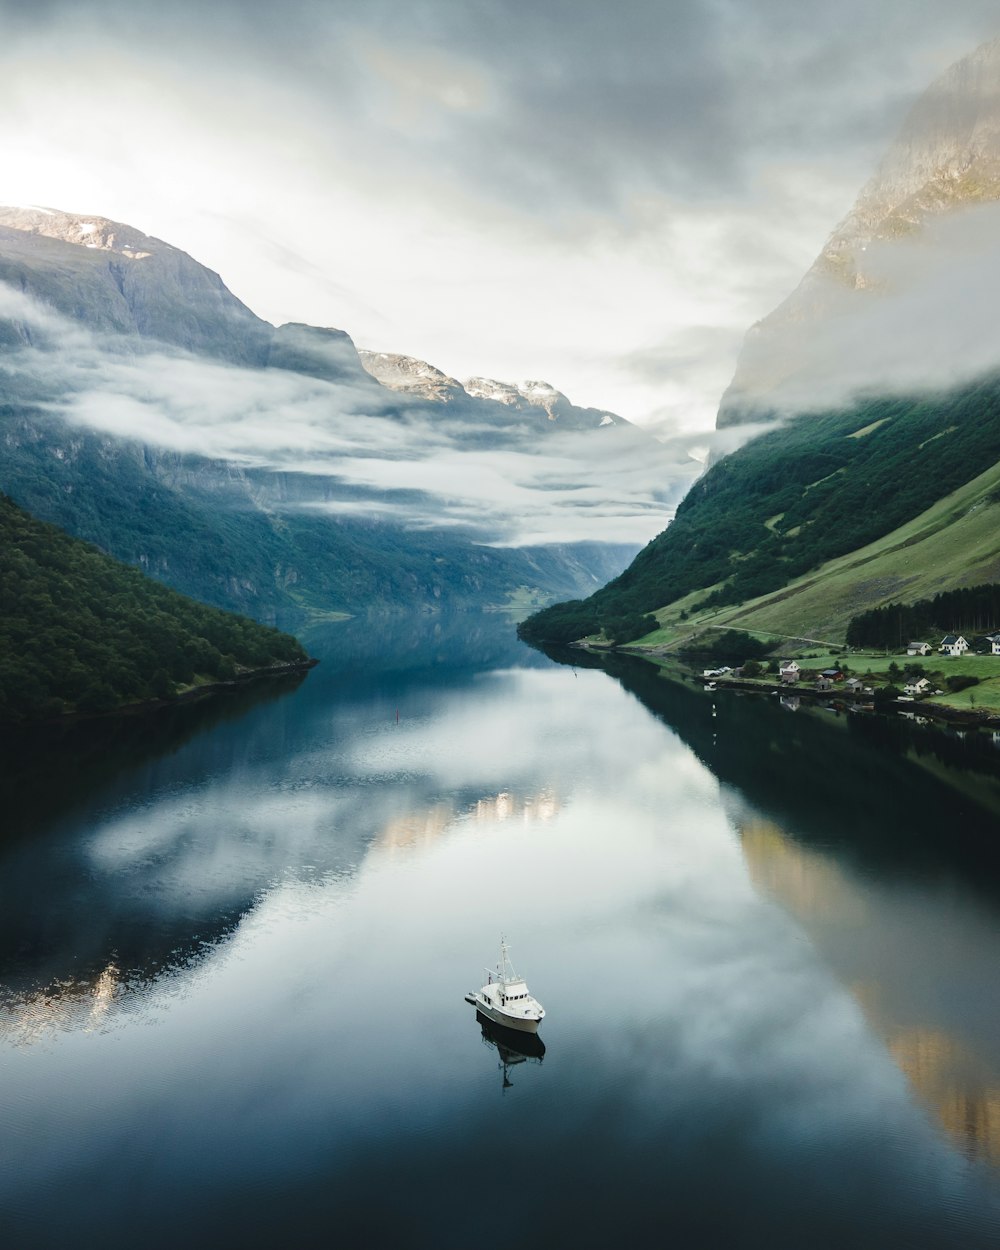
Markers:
{"x": 323, "y": 353}
{"x": 946, "y": 159}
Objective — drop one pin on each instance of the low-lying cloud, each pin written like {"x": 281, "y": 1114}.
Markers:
{"x": 507, "y": 479}
{"x": 925, "y": 320}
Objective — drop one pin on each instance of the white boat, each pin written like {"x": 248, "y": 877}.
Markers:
{"x": 505, "y": 999}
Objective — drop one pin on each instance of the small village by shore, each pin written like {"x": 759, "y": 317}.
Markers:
{"x": 955, "y": 680}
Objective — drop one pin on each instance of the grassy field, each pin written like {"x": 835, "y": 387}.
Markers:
{"x": 954, "y": 543}
{"x": 984, "y": 697}
{"x": 981, "y": 666}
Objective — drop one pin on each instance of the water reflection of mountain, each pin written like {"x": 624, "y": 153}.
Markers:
{"x": 400, "y": 643}
{"x": 425, "y": 826}
{"x": 945, "y": 1052}
{"x": 880, "y": 838}
{"x": 28, "y": 1017}
{"x": 47, "y": 769}
{"x": 884, "y": 792}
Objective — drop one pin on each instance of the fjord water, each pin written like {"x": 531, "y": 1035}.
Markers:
{"x": 235, "y": 940}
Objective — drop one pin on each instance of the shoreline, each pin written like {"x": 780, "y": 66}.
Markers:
{"x": 143, "y": 706}
{"x": 943, "y": 714}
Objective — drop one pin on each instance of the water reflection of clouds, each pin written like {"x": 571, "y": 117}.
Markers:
{"x": 690, "y": 1020}
{"x": 532, "y": 727}
{"x": 218, "y": 843}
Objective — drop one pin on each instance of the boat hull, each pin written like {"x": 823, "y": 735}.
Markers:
{"x": 520, "y": 1024}
{"x": 513, "y": 1046}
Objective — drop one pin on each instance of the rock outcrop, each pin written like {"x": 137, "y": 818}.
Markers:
{"x": 412, "y": 377}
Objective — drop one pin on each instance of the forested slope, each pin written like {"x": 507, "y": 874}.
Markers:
{"x": 815, "y": 488}
{"x": 80, "y": 631}
{"x": 254, "y": 541}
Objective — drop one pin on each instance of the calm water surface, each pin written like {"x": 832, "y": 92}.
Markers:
{"x": 235, "y": 940}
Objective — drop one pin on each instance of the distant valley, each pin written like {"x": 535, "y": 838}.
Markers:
{"x": 266, "y": 470}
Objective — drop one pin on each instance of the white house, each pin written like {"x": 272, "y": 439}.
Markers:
{"x": 923, "y": 686}
{"x": 918, "y": 648}
{"x": 953, "y": 644}
{"x": 788, "y": 671}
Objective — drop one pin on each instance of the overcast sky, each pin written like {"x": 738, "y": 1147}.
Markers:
{"x": 601, "y": 195}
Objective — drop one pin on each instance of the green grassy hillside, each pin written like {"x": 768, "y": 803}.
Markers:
{"x": 82, "y": 632}
{"x": 818, "y": 519}
{"x": 954, "y": 543}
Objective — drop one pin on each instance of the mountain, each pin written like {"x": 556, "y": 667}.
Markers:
{"x": 147, "y": 410}
{"x": 112, "y": 278}
{"x": 944, "y": 162}
{"x": 539, "y": 401}
{"x": 891, "y": 495}
{"x": 412, "y": 377}
{"x": 82, "y": 632}
{"x": 257, "y": 541}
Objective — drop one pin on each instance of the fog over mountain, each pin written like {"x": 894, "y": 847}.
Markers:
{"x": 902, "y": 296}
{"x": 123, "y": 334}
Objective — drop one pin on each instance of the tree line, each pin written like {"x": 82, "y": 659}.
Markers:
{"x": 80, "y": 631}
{"x": 970, "y": 611}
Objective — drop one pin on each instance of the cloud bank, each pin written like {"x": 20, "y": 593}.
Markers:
{"x": 347, "y": 451}
{"x": 927, "y": 320}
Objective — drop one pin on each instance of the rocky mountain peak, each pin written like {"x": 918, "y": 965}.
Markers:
{"x": 946, "y": 155}
{"x": 945, "y": 158}
{"x": 417, "y": 377}
{"x": 522, "y": 395}
{"x": 499, "y": 392}
{"x": 412, "y": 376}
{"x": 89, "y": 231}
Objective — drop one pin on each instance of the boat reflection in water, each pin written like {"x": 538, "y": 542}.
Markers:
{"x": 512, "y": 1045}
